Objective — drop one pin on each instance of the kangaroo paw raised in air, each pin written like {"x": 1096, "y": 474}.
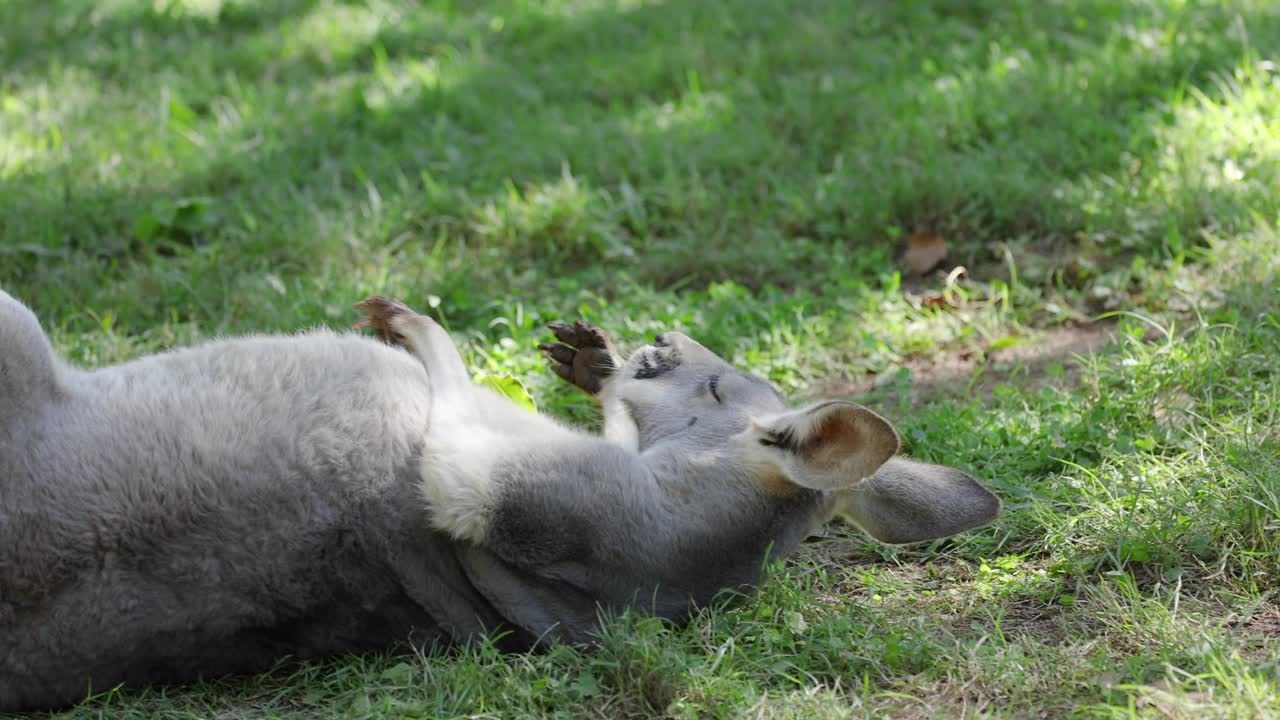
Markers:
{"x": 584, "y": 356}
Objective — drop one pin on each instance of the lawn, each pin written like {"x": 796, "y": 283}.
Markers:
{"x": 749, "y": 172}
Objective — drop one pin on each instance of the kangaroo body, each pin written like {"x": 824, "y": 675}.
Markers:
{"x": 213, "y": 509}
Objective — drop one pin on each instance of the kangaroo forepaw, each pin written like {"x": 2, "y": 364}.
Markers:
{"x": 585, "y": 356}
{"x": 384, "y": 315}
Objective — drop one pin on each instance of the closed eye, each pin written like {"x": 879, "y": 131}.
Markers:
{"x": 712, "y": 384}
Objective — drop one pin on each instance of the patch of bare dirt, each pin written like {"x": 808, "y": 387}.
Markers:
{"x": 954, "y": 373}
{"x": 1027, "y": 618}
{"x": 1265, "y": 623}
{"x": 1260, "y": 633}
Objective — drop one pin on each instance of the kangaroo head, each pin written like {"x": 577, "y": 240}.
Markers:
{"x": 676, "y": 391}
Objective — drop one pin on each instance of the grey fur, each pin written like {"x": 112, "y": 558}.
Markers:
{"x": 213, "y": 509}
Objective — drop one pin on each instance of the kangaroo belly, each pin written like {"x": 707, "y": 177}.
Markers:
{"x": 203, "y": 511}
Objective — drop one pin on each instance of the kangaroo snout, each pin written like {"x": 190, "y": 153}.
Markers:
{"x": 683, "y": 344}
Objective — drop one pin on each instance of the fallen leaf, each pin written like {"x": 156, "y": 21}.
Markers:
{"x": 936, "y": 299}
{"x": 796, "y": 622}
{"x": 510, "y": 386}
{"x": 925, "y": 252}
{"x": 1007, "y": 341}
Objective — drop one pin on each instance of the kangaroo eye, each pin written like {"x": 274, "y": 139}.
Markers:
{"x": 712, "y": 384}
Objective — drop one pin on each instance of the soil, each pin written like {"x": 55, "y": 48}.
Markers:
{"x": 953, "y": 374}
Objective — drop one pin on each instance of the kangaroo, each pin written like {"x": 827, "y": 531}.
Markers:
{"x": 213, "y": 509}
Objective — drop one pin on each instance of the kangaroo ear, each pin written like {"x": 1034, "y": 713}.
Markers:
{"x": 542, "y": 609}
{"x": 826, "y": 446}
{"x": 909, "y": 501}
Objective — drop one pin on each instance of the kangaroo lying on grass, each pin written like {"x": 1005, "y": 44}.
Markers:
{"x": 214, "y": 509}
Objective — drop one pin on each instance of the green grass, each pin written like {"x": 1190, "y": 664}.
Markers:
{"x": 746, "y": 171}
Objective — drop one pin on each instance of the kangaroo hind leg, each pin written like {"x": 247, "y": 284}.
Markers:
{"x": 397, "y": 324}
{"x": 28, "y": 369}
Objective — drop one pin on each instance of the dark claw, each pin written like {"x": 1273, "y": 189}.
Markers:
{"x": 559, "y": 352}
{"x": 565, "y": 372}
{"x": 561, "y": 329}
{"x": 580, "y": 334}
{"x": 592, "y": 336}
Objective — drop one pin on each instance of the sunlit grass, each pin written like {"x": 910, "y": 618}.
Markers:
{"x": 747, "y": 172}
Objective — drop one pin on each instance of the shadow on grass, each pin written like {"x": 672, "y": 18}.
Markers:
{"x": 675, "y": 142}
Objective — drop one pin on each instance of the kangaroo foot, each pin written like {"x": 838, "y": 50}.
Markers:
{"x": 585, "y": 356}
{"x": 385, "y": 316}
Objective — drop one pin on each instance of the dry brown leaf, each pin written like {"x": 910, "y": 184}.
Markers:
{"x": 936, "y": 299}
{"x": 925, "y": 252}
